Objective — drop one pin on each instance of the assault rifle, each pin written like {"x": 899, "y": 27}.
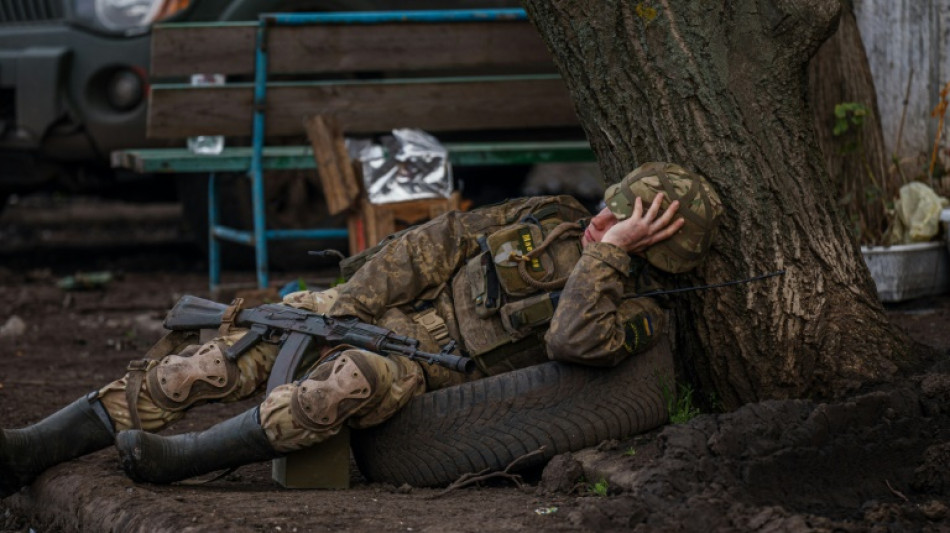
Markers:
{"x": 296, "y": 330}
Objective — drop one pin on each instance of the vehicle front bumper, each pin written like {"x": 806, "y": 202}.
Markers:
{"x": 52, "y": 91}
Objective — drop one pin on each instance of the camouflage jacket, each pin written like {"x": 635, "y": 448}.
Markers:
{"x": 596, "y": 322}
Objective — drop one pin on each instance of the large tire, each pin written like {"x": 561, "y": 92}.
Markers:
{"x": 488, "y": 423}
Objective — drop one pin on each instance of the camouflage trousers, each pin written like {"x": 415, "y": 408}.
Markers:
{"x": 347, "y": 386}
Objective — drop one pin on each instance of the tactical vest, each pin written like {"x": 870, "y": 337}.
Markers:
{"x": 506, "y": 295}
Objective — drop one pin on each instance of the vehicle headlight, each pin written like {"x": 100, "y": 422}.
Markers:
{"x": 127, "y": 16}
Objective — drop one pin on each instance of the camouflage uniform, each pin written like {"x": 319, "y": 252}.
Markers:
{"x": 406, "y": 287}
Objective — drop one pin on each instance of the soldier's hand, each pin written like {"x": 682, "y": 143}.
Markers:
{"x": 644, "y": 229}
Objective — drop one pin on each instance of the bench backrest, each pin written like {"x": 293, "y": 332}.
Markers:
{"x": 441, "y": 77}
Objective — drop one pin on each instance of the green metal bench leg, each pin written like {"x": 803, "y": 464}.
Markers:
{"x": 214, "y": 247}
{"x": 257, "y": 156}
{"x": 260, "y": 227}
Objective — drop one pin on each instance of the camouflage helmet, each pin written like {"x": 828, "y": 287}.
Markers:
{"x": 700, "y": 206}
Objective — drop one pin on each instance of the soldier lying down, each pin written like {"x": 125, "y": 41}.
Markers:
{"x": 514, "y": 284}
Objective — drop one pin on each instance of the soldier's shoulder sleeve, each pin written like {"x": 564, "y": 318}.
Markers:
{"x": 644, "y": 322}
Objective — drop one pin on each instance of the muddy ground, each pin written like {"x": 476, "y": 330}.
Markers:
{"x": 879, "y": 461}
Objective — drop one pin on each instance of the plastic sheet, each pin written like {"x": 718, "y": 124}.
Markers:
{"x": 409, "y": 165}
{"x": 917, "y": 214}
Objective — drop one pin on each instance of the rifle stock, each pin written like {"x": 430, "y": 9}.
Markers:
{"x": 191, "y": 312}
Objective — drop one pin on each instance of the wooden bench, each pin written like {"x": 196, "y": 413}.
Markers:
{"x": 480, "y": 80}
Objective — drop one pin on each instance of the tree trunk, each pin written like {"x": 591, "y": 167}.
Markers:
{"x": 856, "y": 157}
{"x": 718, "y": 87}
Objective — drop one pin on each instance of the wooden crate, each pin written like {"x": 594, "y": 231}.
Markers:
{"x": 339, "y": 175}
{"x": 371, "y": 223}
{"x": 342, "y": 182}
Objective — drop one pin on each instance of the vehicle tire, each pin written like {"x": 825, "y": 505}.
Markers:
{"x": 486, "y": 424}
{"x": 293, "y": 200}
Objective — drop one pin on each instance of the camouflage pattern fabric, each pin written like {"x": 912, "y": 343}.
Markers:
{"x": 419, "y": 266}
{"x": 254, "y": 368}
{"x": 593, "y": 319}
{"x": 396, "y": 381}
{"x": 700, "y": 206}
{"x": 595, "y": 323}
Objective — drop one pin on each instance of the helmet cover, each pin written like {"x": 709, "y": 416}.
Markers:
{"x": 700, "y": 206}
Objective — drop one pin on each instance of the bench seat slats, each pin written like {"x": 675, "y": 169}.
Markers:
{"x": 228, "y": 48}
{"x": 491, "y": 103}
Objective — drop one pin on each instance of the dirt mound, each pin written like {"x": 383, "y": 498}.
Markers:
{"x": 880, "y": 458}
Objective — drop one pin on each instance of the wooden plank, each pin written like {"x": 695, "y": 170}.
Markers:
{"x": 356, "y": 232}
{"x": 522, "y": 102}
{"x": 228, "y": 48}
{"x": 338, "y": 180}
{"x": 906, "y": 47}
{"x": 519, "y": 153}
{"x": 238, "y": 159}
{"x": 382, "y": 220}
{"x": 185, "y": 49}
{"x": 232, "y": 159}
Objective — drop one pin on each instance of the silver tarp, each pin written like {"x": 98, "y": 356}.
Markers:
{"x": 409, "y": 165}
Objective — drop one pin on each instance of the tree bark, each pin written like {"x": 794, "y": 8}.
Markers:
{"x": 719, "y": 87}
{"x": 856, "y": 159}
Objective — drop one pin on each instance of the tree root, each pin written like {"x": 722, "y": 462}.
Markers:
{"x": 896, "y": 492}
{"x": 475, "y": 477}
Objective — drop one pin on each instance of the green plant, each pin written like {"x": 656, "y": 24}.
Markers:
{"x": 679, "y": 404}
{"x": 630, "y": 451}
{"x": 598, "y": 489}
{"x": 848, "y": 116}
{"x": 862, "y": 193}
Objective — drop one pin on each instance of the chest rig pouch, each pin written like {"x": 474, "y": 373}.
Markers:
{"x": 534, "y": 255}
{"x": 509, "y": 290}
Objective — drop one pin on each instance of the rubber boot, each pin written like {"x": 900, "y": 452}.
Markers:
{"x": 80, "y": 428}
{"x": 156, "y": 459}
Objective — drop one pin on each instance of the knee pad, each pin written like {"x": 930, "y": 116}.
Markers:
{"x": 197, "y": 373}
{"x": 334, "y": 391}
